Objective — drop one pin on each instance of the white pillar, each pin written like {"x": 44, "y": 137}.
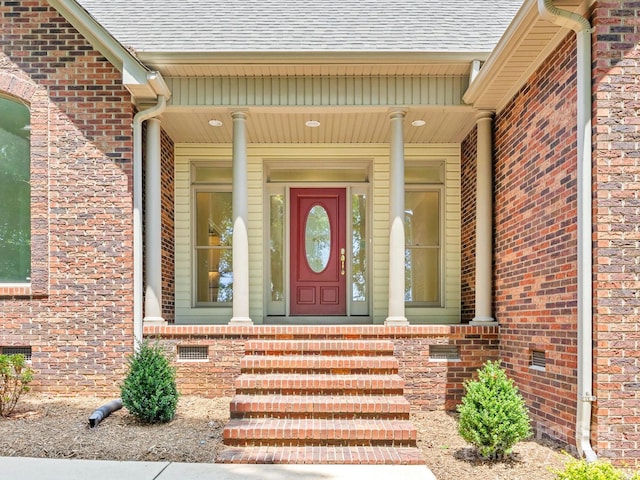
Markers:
{"x": 396, "y": 221}
{"x": 152, "y": 225}
{"x": 484, "y": 218}
{"x": 240, "y": 214}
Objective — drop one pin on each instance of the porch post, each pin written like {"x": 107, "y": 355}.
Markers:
{"x": 240, "y": 213}
{"x": 396, "y": 221}
{"x": 152, "y": 226}
{"x": 484, "y": 218}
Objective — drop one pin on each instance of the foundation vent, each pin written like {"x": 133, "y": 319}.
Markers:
{"x": 444, "y": 352}
{"x": 26, "y": 351}
{"x": 538, "y": 360}
{"x": 193, "y": 354}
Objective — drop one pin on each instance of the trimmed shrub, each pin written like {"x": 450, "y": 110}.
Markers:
{"x": 15, "y": 377}
{"x": 493, "y": 414}
{"x": 149, "y": 391}
{"x": 599, "y": 470}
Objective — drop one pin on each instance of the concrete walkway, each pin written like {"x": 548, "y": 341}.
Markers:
{"x": 56, "y": 469}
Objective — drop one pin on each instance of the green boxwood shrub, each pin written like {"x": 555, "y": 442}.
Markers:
{"x": 149, "y": 390}
{"x": 15, "y": 377}
{"x": 493, "y": 414}
{"x": 599, "y": 470}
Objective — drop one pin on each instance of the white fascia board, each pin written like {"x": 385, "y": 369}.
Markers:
{"x": 135, "y": 75}
{"x": 166, "y": 58}
{"x": 518, "y": 28}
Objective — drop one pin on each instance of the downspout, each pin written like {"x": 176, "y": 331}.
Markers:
{"x": 585, "y": 397}
{"x": 138, "y": 259}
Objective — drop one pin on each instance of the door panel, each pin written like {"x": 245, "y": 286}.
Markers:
{"x": 318, "y": 243}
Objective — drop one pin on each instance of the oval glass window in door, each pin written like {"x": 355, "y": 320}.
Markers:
{"x": 317, "y": 239}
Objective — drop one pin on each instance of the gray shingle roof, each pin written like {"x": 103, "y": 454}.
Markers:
{"x": 305, "y": 25}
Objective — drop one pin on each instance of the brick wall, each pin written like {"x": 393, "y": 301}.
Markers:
{"x": 468, "y": 229}
{"x": 168, "y": 233}
{"x": 77, "y": 313}
{"x": 617, "y": 230}
{"x": 429, "y": 384}
{"x": 535, "y": 240}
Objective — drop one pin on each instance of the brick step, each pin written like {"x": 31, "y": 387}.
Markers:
{"x": 316, "y": 406}
{"x": 378, "y": 455}
{"x": 319, "y": 432}
{"x": 318, "y": 364}
{"x": 319, "y": 347}
{"x": 301, "y": 384}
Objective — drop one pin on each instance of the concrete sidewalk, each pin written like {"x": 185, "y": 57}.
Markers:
{"x": 57, "y": 469}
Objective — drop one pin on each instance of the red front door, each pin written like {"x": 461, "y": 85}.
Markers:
{"x": 318, "y": 251}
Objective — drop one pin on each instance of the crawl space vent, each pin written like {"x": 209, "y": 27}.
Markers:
{"x": 444, "y": 352}
{"x": 193, "y": 354}
{"x": 538, "y": 360}
{"x": 26, "y": 351}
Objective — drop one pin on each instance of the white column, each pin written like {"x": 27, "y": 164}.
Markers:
{"x": 240, "y": 214}
{"x": 396, "y": 221}
{"x": 152, "y": 225}
{"x": 484, "y": 218}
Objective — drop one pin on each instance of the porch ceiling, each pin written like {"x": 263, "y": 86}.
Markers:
{"x": 339, "y": 125}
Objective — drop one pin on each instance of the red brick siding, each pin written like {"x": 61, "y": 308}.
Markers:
{"x": 468, "y": 228}
{"x": 168, "y": 229}
{"x": 617, "y": 230}
{"x": 429, "y": 385}
{"x": 77, "y": 316}
{"x": 535, "y": 240}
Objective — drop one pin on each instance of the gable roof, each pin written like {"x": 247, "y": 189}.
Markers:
{"x": 305, "y": 25}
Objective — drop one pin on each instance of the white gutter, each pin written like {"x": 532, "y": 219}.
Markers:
{"x": 583, "y": 30}
{"x": 138, "y": 258}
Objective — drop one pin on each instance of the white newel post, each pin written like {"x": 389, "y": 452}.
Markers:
{"x": 396, "y": 314}
{"x": 240, "y": 214}
{"x": 484, "y": 219}
{"x": 152, "y": 226}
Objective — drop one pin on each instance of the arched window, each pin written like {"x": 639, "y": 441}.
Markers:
{"x": 15, "y": 192}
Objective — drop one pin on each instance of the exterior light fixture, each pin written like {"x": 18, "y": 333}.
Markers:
{"x": 215, "y": 123}
{"x": 312, "y": 123}
{"x": 418, "y": 123}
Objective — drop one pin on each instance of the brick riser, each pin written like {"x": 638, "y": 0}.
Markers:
{"x": 320, "y": 401}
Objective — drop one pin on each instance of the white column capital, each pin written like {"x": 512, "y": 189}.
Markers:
{"x": 397, "y": 113}
{"x": 484, "y": 115}
{"x": 241, "y": 113}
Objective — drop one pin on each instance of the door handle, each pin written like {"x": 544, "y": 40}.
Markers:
{"x": 342, "y": 259}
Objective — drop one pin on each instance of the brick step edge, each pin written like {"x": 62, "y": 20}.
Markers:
{"x": 315, "y": 347}
{"x": 377, "y": 455}
{"x": 275, "y": 381}
{"x": 316, "y": 406}
{"x": 273, "y": 431}
{"x": 319, "y": 363}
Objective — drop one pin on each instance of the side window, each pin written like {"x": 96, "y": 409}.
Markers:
{"x": 15, "y": 192}
{"x": 422, "y": 247}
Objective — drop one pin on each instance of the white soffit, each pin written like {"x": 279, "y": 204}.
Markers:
{"x": 523, "y": 48}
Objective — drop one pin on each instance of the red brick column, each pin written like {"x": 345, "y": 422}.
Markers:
{"x": 617, "y": 230}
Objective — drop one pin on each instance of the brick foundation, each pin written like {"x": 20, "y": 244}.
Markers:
{"x": 429, "y": 384}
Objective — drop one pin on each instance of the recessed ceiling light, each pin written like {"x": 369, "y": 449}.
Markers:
{"x": 215, "y": 123}
{"x": 418, "y": 123}
{"x": 312, "y": 123}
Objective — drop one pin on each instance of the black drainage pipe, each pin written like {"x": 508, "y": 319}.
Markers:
{"x": 104, "y": 411}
